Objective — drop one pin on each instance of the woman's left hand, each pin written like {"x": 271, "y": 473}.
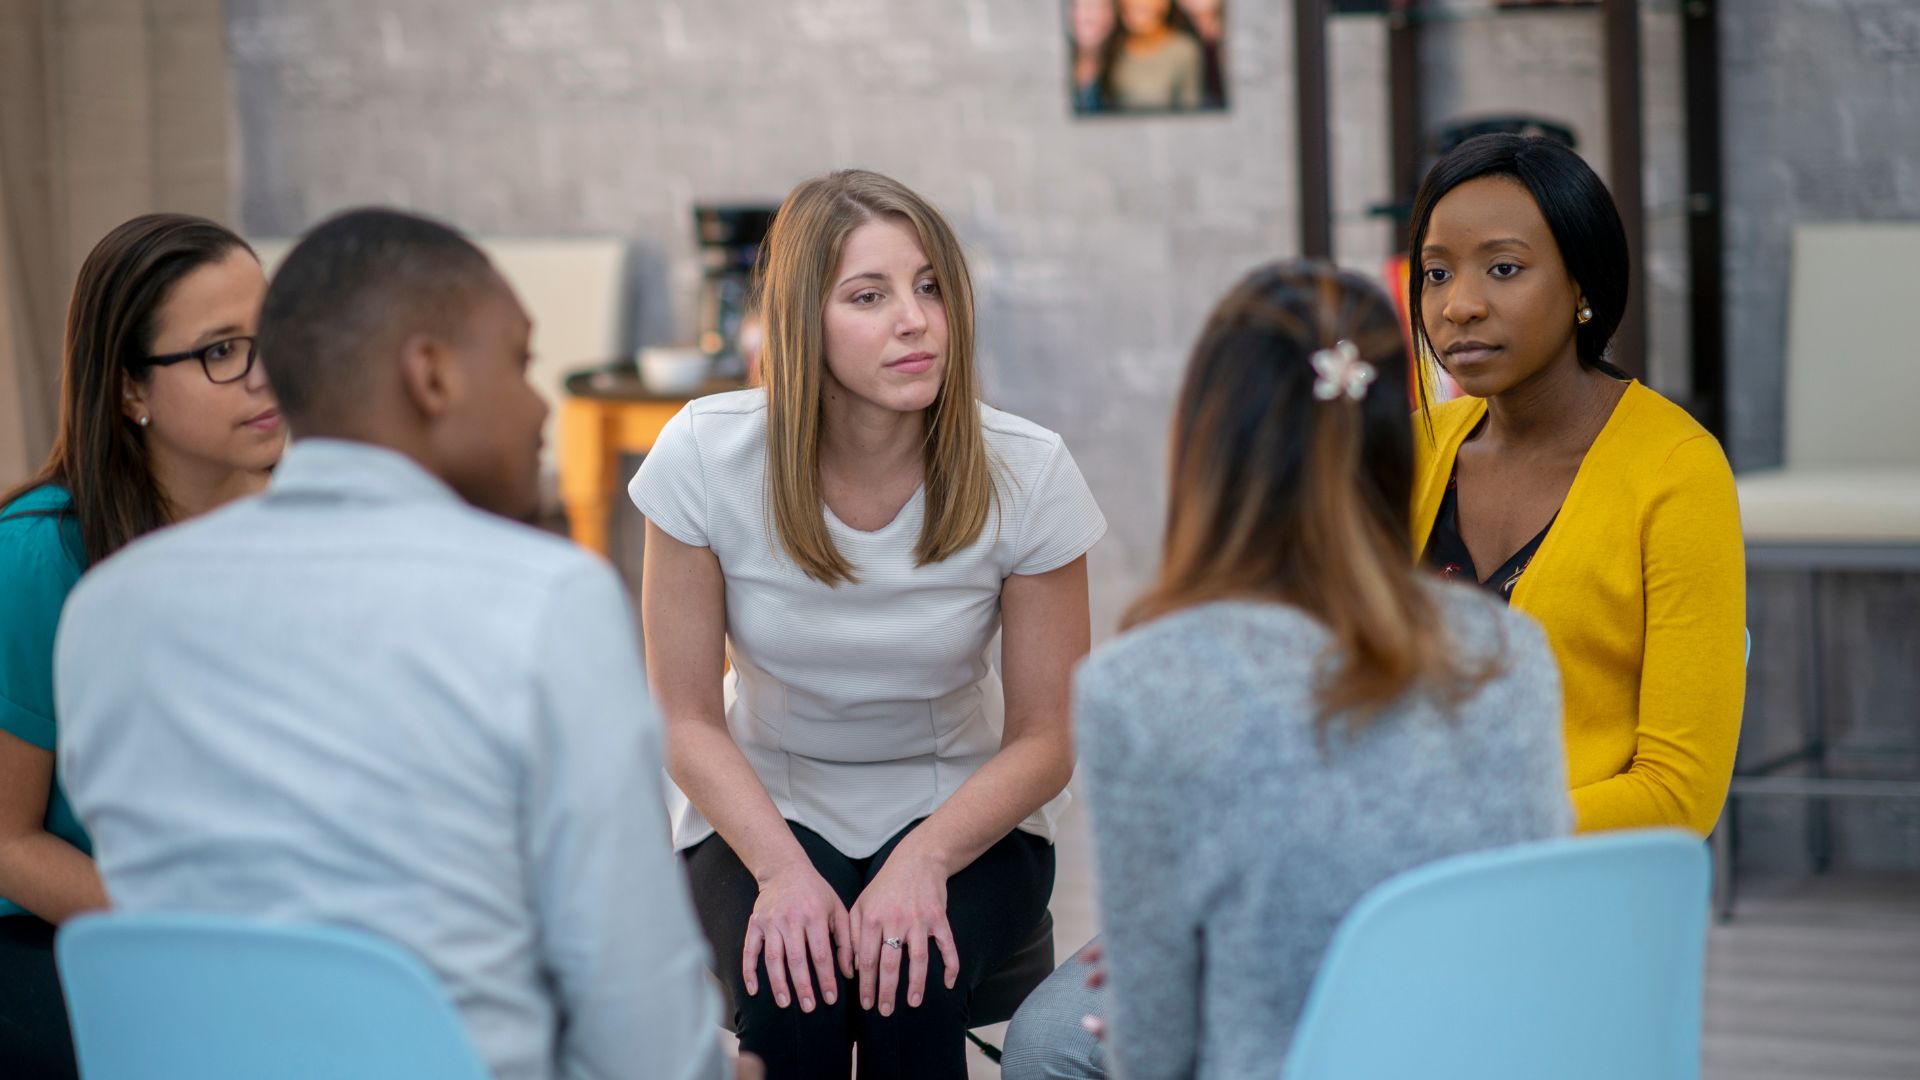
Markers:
{"x": 905, "y": 902}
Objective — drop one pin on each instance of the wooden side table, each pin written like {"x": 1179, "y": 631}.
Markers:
{"x": 606, "y": 414}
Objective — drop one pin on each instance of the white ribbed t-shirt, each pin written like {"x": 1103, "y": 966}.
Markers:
{"x": 861, "y": 706}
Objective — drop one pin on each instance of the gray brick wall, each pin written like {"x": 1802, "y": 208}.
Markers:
{"x": 1821, "y": 125}
{"x": 1098, "y": 245}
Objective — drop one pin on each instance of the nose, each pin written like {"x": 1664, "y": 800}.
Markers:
{"x": 1464, "y": 304}
{"x": 912, "y": 320}
{"x": 256, "y": 380}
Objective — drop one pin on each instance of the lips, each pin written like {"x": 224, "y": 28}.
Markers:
{"x": 1470, "y": 352}
{"x": 912, "y": 363}
{"x": 265, "y": 421}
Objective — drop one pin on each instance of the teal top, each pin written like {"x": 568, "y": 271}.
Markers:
{"x": 41, "y": 558}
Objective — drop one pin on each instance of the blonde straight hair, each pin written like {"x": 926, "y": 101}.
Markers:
{"x": 797, "y": 262}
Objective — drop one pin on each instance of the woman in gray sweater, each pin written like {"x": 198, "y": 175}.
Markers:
{"x": 1296, "y": 713}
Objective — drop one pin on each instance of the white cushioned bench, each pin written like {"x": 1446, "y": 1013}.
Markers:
{"x": 1869, "y": 505}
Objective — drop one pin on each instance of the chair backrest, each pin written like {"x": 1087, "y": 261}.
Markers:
{"x": 167, "y": 997}
{"x": 1578, "y": 958}
{"x": 1851, "y": 381}
{"x": 575, "y": 291}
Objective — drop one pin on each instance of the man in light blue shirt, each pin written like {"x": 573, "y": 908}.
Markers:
{"x": 369, "y": 699}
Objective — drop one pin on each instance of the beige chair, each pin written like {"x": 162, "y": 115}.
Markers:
{"x": 1848, "y": 495}
{"x": 574, "y": 290}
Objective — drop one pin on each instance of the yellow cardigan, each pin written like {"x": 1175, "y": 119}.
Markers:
{"x": 1641, "y": 586}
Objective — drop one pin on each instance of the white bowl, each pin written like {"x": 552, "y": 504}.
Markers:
{"x": 673, "y": 369}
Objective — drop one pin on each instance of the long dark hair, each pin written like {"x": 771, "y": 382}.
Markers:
{"x": 99, "y": 455}
{"x": 1104, "y": 54}
{"x": 1278, "y": 494}
{"x": 1578, "y": 209}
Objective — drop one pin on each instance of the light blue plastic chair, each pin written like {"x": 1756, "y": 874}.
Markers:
{"x": 179, "y": 997}
{"x": 1577, "y": 959}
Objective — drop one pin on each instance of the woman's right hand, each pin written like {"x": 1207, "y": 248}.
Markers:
{"x": 798, "y": 920}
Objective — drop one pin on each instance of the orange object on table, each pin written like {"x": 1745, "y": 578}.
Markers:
{"x": 606, "y": 414}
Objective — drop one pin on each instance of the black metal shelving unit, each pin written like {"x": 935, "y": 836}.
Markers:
{"x": 1408, "y": 126}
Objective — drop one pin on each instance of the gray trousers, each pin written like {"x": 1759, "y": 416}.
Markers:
{"x": 1046, "y": 1040}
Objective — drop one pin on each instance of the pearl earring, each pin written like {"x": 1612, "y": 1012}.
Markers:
{"x": 142, "y": 421}
{"x": 1585, "y": 315}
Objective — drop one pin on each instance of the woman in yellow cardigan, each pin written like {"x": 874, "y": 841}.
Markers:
{"x": 1575, "y": 493}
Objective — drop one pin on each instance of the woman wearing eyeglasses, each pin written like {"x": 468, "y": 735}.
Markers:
{"x": 163, "y": 415}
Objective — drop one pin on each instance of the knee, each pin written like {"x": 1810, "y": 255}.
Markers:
{"x": 1050, "y": 1047}
{"x": 936, "y": 999}
{"x": 941, "y": 1016}
{"x": 939, "y": 1006}
{"x": 1047, "y": 1039}
{"x": 759, "y": 1018}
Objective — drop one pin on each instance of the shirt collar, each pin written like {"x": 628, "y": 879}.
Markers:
{"x": 340, "y": 468}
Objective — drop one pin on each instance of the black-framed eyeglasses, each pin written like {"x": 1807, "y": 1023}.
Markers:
{"x": 224, "y": 361}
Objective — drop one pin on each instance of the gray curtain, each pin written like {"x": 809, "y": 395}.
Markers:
{"x": 29, "y": 309}
{"x": 108, "y": 109}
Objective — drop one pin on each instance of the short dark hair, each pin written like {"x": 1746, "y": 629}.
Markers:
{"x": 357, "y": 280}
{"x": 1579, "y": 212}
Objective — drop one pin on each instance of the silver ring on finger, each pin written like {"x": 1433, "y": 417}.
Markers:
{"x": 892, "y": 943}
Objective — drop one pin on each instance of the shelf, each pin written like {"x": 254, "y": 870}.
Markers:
{"x": 1479, "y": 11}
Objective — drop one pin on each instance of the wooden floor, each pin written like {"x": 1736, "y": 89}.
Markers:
{"x": 1813, "y": 979}
{"x": 1816, "y": 978}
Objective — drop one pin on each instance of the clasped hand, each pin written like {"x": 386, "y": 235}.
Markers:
{"x": 803, "y": 932}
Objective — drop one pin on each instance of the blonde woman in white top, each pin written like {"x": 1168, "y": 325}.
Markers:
{"x": 866, "y": 811}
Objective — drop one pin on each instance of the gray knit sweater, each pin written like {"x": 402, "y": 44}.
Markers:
{"x": 1229, "y": 845}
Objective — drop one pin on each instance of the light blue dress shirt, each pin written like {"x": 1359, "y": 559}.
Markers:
{"x": 357, "y": 700}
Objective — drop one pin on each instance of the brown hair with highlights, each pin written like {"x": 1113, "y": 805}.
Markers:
{"x": 1279, "y": 495}
{"x": 797, "y": 262}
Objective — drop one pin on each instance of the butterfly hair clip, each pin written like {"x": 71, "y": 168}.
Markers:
{"x": 1338, "y": 371}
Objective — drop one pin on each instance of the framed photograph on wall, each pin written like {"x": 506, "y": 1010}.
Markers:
{"x": 1146, "y": 56}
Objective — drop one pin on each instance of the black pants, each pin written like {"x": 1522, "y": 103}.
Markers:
{"x": 34, "y": 1041}
{"x": 993, "y": 907}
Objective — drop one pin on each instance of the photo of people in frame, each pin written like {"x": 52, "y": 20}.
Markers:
{"x": 1146, "y": 56}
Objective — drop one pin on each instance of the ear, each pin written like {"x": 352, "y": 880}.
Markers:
{"x": 431, "y": 374}
{"x": 133, "y": 398}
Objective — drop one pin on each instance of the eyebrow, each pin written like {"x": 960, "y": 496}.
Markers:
{"x": 876, "y": 275}
{"x": 1496, "y": 242}
{"x": 219, "y": 334}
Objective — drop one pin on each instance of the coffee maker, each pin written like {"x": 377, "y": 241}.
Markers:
{"x": 729, "y": 237}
